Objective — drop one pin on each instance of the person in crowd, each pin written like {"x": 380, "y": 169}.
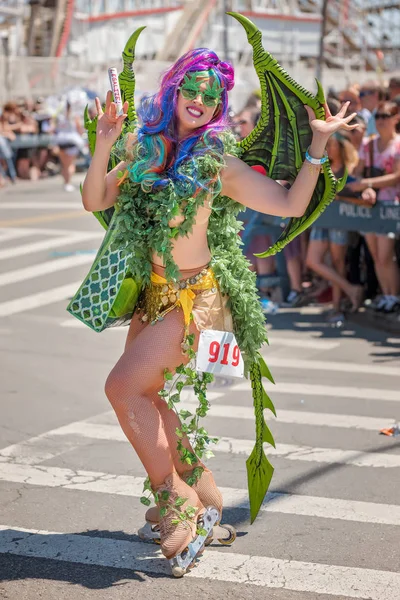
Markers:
{"x": 351, "y": 95}
{"x": 380, "y": 161}
{"x": 356, "y": 136}
{"x": 18, "y": 120}
{"x": 394, "y": 87}
{"x": 244, "y": 123}
{"x": 69, "y": 139}
{"x": 334, "y": 241}
{"x": 360, "y": 264}
{"x": 6, "y": 153}
{"x": 45, "y": 127}
{"x": 396, "y": 100}
{"x": 370, "y": 96}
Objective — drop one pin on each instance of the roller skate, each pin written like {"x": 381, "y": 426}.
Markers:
{"x": 182, "y": 540}
{"x": 209, "y": 495}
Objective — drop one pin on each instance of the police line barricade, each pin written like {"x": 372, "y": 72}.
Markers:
{"x": 383, "y": 217}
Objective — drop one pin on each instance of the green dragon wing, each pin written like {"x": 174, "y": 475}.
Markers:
{"x": 282, "y": 135}
{"x": 127, "y": 84}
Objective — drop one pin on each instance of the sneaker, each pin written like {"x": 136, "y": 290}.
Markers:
{"x": 377, "y": 303}
{"x": 268, "y": 306}
{"x": 392, "y": 304}
{"x": 336, "y": 318}
{"x": 294, "y": 299}
{"x": 68, "y": 187}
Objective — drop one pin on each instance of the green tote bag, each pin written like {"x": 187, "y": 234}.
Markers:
{"x": 108, "y": 294}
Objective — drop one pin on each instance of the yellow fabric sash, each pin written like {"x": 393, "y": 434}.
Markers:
{"x": 186, "y": 295}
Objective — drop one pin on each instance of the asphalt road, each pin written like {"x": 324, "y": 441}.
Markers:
{"x": 69, "y": 482}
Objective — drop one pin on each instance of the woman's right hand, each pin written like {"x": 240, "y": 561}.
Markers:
{"x": 109, "y": 126}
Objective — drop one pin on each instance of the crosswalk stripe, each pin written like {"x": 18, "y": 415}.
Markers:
{"x": 44, "y": 268}
{"x": 260, "y": 571}
{"x": 128, "y": 485}
{"x": 239, "y": 446}
{"x": 299, "y": 417}
{"x": 13, "y": 234}
{"x": 12, "y": 307}
{"x": 310, "y": 389}
{"x": 314, "y": 343}
{"x": 320, "y": 365}
{"x": 32, "y": 205}
{"x": 48, "y": 244}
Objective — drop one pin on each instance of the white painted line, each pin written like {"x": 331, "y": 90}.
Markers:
{"x": 52, "y": 231}
{"x": 293, "y": 417}
{"x": 57, "y": 441}
{"x": 299, "y": 417}
{"x": 14, "y": 234}
{"x": 42, "y": 447}
{"x": 48, "y": 244}
{"x": 45, "y": 298}
{"x": 113, "y": 433}
{"x": 260, "y": 571}
{"x": 75, "y": 323}
{"x": 32, "y": 205}
{"x": 44, "y": 268}
{"x": 333, "y": 391}
{"x": 320, "y": 365}
{"x": 127, "y": 485}
{"x": 315, "y": 343}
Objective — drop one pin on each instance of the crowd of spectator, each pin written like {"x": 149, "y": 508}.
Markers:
{"x": 347, "y": 268}
{"x": 37, "y": 142}
{"x": 344, "y": 267}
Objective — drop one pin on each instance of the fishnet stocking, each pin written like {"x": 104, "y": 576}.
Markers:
{"x": 132, "y": 388}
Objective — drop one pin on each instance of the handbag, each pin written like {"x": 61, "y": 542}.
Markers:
{"x": 109, "y": 293}
{"x": 370, "y": 171}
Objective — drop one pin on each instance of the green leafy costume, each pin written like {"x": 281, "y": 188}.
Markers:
{"x": 123, "y": 264}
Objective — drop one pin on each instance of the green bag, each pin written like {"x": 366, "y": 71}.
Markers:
{"x": 108, "y": 294}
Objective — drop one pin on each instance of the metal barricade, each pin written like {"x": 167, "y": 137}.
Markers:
{"x": 383, "y": 218}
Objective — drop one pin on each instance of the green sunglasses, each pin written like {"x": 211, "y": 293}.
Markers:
{"x": 190, "y": 89}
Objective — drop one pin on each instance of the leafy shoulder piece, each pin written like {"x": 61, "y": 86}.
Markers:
{"x": 127, "y": 84}
{"x": 282, "y": 135}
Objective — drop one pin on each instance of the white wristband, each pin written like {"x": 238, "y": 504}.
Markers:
{"x": 316, "y": 161}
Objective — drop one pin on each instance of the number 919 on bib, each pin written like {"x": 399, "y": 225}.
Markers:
{"x": 219, "y": 353}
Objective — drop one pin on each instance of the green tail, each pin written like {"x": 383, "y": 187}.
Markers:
{"x": 259, "y": 469}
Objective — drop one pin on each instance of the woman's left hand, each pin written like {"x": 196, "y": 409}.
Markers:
{"x": 325, "y": 129}
{"x": 369, "y": 197}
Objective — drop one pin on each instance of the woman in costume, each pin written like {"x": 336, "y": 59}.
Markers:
{"x": 176, "y": 194}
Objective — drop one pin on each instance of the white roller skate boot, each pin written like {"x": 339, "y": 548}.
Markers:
{"x": 182, "y": 540}
{"x": 209, "y": 495}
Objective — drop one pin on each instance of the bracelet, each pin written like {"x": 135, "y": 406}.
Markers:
{"x": 316, "y": 161}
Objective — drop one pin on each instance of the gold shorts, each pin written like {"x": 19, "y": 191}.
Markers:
{"x": 197, "y": 295}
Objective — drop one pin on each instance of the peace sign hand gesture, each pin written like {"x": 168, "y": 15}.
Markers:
{"x": 109, "y": 125}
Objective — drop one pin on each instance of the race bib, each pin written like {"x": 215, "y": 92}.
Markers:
{"x": 219, "y": 353}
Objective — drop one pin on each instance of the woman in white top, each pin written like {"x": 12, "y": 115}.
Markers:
{"x": 69, "y": 139}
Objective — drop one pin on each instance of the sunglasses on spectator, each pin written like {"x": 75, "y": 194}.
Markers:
{"x": 364, "y": 93}
{"x": 383, "y": 116}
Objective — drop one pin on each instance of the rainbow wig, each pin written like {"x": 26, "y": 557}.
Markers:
{"x": 159, "y": 153}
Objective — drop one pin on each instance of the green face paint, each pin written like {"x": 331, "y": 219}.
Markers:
{"x": 190, "y": 88}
